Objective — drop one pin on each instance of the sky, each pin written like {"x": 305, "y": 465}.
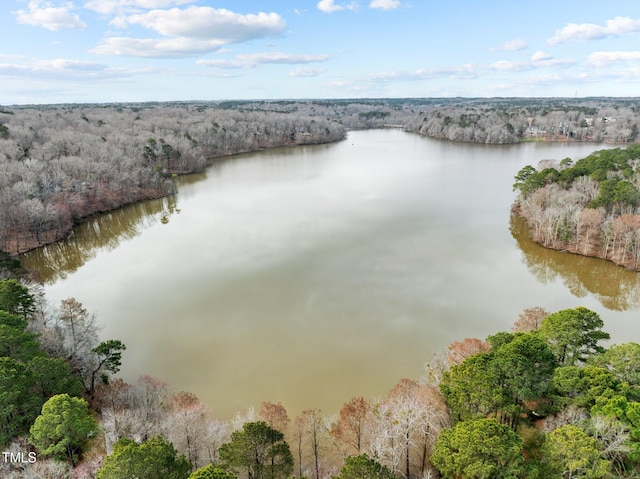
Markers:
{"x": 102, "y": 51}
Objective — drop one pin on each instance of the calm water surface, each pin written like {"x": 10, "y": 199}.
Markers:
{"x": 315, "y": 274}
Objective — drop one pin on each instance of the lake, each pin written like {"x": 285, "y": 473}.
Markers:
{"x": 311, "y": 275}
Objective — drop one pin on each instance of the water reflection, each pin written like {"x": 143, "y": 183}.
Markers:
{"x": 615, "y": 287}
{"x": 103, "y": 232}
{"x": 288, "y": 273}
{"x": 107, "y": 231}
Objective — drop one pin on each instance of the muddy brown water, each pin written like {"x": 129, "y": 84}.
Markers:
{"x": 311, "y": 275}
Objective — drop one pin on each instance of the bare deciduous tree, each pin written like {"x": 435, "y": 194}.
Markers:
{"x": 460, "y": 350}
{"x": 187, "y": 428}
{"x": 405, "y": 427}
{"x": 350, "y": 428}
{"x": 530, "y": 319}
{"x": 275, "y": 415}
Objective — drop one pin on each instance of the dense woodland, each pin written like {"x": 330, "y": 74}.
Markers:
{"x": 59, "y": 165}
{"x": 589, "y": 208}
{"x": 512, "y": 121}
{"x": 546, "y": 400}
{"x": 479, "y": 120}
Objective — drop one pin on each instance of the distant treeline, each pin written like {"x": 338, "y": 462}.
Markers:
{"x": 512, "y": 121}
{"x": 477, "y": 120}
{"x": 61, "y": 164}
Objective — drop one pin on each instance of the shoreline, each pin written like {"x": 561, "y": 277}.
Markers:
{"x": 591, "y": 247}
{"x": 31, "y": 244}
{"x": 53, "y": 236}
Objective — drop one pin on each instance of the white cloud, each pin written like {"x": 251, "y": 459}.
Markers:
{"x": 365, "y": 82}
{"x": 190, "y": 31}
{"x": 68, "y": 65}
{"x": 306, "y": 72}
{"x": 9, "y": 58}
{"x": 328, "y": 6}
{"x": 384, "y": 4}
{"x": 622, "y": 25}
{"x": 540, "y": 56}
{"x": 251, "y": 60}
{"x": 601, "y": 59}
{"x": 109, "y": 7}
{"x": 575, "y": 32}
{"x": 156, "y": 47}
{"x": 551, "y": 63}
{"x": 278, "y": 57}
{"x": 389, "y": 76}
{"x": 538, "y": 60}
{"x": 504, "y": 65}
{"x": 590, "y": 31}
{"x": 65, "y": 70}
{"x": 44, "y": 14}
{"x": 569, "y": 81}
{"x": 514, "y": 45}
{"x": 541, "y": 59}
{"x": 208, "y": 22}
{"x": 467, "y": 71}
{"x": 223, "y": 64}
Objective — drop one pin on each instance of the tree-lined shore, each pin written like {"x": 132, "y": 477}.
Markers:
{"x": 588, "y": 208}
{"x": 60, "y": 164}
{"x": 477, "y": 120}
{"x": 544, "y": 400}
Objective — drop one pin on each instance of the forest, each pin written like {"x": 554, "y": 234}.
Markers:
{"x": 544, "y": 400}
{"x": 60, "y": 164}
{"x": 589, "y": 208}
{"x": 512, "y": 121}
{"x": 478, "y": 120}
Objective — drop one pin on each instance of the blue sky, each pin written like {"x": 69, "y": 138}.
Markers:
{"x": 78, "y": 51}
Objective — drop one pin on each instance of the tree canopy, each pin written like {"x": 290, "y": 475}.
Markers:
{"x": 622, "y": 360}
{"x": 573, "y": 334}
{"x": 518, "y": 369}
{"x": 582, "y": 398}
{"x": 16, "y": 299}
{"x": 570, "y": 452}
{"x": 478, "y": 448}
{"x": 28, "y": 376}
{"x": 152, "y": 459}
{"x": 108, "y": 357}
{"x": 63, "y": 428}
{"x": 363, "y": 467}
{"x": 259, "y": 450}
{"x": 211, "y": 472}
{"x": 17, "y": 408}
